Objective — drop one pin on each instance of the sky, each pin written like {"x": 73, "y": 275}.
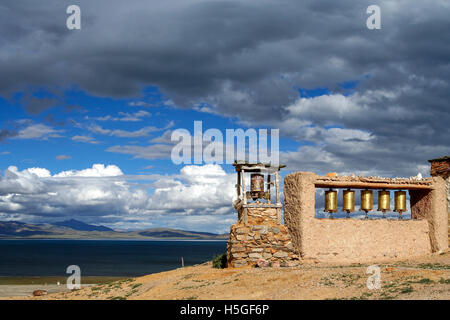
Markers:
{"x": 86, "y": 116}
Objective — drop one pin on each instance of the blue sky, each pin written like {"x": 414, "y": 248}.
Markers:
{"x": 86, "y": 115}
{"x": 79, "y": 130}
{"x": 76, "y": 113}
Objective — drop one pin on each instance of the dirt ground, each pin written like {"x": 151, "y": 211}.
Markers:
{"x": 425, "y": 278}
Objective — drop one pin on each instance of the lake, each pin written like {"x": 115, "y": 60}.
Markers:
{"x": 113, "y": 258}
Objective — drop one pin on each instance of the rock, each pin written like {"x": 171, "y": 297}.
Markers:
{"x": 280, "y": 254}
{"x": 292, "y": 263}
{"x": 262, "y": 263}
{"x": 254, "y": 255}
{"x": 267, "y": 255}
{"x": 263, "y": 230}
{"x": 237, "y": 249}
{"x": 263, "y": 242}
{"x": 37, "y": 293}
{"x": 275, "y": 230}
{"x": 284, "y": 264}
{"x": 332, "y": 174}
{"x": 240, "y": 263}
{"x": 240, "y": 237}
{"x": 390, "y": 269}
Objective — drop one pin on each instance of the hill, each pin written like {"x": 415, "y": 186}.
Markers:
{"x": 21, "y": 230}
{"x": 80, "y": 226}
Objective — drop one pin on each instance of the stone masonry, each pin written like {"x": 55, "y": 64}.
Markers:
{"x": 262, "y": 242}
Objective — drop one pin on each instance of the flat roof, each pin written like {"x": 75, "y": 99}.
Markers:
{"x": 255, "y": 167}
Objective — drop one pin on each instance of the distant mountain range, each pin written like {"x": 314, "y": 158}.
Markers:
{"x": 80, "y": 226}
{"x": 74, "y": 229}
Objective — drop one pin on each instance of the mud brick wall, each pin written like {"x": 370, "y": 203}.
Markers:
{"x": 262, "y": 241}
{"x": 441, "y": 168}
{"x": 362, "y": 241}
{"x": 447, "y": 186}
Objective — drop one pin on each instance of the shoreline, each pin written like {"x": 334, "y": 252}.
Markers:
{"x": 24, "y": 286}
{"x": 47, "y": 280}
{"x": 118, "y": 239}
{"x": 426, "y": 277}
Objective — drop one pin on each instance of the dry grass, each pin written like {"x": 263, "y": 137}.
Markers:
{"x": 426, "y": 278}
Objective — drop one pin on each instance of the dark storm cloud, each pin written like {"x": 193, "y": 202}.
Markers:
{"x": 5, "y": 133}
{"x": 247, "y": 59}
{"x": 36, "y": 105}
{"x": 188, "y": 48}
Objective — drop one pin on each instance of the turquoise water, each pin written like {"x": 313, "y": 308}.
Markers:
{"x": 101, "y": 257}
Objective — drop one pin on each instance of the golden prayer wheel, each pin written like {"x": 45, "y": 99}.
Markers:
{"x": 384, "y": 200}
{"x": 400, "y": 201}
{"x": 366, "y": 200}
{"x": 330, "y": 201}
{"x": 348, "y": 201}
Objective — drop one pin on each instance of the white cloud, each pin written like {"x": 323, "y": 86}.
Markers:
{"x": 85, "y": 139}
{"x": 39, "y": 172}
{"x": 124, "y": 116}
{"x": 38, "y": 131}
{"x": 97, "y": 170}
{"x": 165, "y": 138}
{"x": 102, "y": 194}
{"x": 127, "y": 134}
{"x": 155, "y": 151}
{"x": 133, "y": 134}
{"x": 196, "y": 188}
{"x": 338, "y": 108}
{"x": 139, "y": 104}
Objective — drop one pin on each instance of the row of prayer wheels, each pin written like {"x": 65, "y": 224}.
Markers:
{"x": 384, "y": 201}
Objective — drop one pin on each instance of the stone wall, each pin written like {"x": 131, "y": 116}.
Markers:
{"x": 362, "y": 241}
{"x": 440, "y": 167}
{"x": 263, "y": 241}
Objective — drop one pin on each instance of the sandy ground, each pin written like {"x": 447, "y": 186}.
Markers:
{"x": 426, "y": 278}
{"x": 21, "y": 290}
{"x": 24, "y": 286}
